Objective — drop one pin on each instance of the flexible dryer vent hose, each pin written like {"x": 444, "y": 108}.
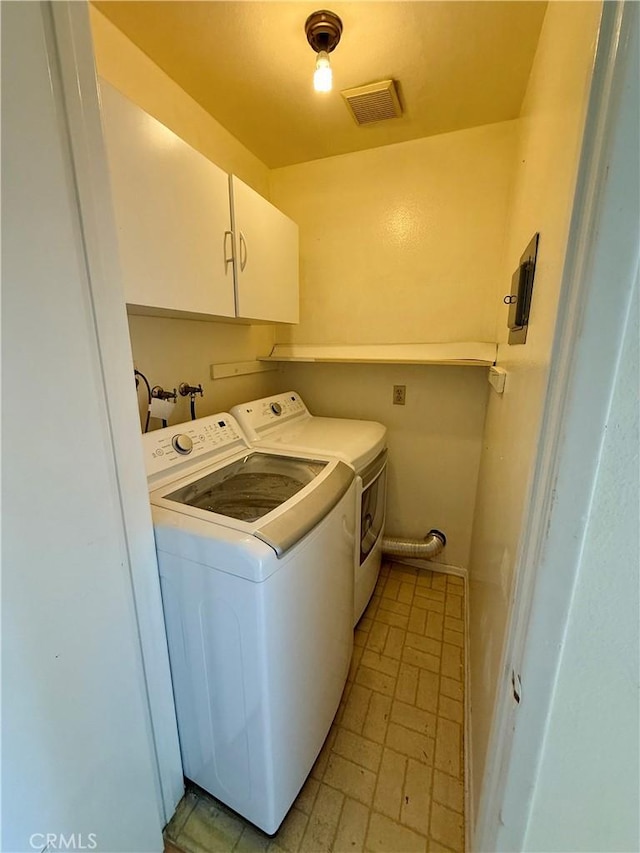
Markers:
{"x": 421, "y": 549}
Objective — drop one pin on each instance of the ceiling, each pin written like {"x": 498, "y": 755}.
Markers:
{"x": 457, "y": 65}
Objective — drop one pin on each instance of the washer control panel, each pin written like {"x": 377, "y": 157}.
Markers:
{"x": 165, "y": 448}
{"x": 258, "y": 416}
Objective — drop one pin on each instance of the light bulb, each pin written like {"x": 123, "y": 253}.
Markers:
{"x": 322, "y": 74}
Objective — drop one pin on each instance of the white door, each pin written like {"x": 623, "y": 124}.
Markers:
{"x": 172, "y": 213}
{"x": 266, "y": 257}
{"x": 78, "y": 764}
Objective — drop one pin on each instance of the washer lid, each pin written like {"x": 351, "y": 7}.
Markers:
{"x": 278, "y": 499}
{"x": 357, "y": 442}
{"x": 250, "y": 487}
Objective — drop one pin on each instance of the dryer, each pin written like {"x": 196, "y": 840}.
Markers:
{"x": 255, "y": 557}
{"x": 284, "y": 422}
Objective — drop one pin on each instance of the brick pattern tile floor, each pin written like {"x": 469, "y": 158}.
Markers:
{"x": 390, "y": 776}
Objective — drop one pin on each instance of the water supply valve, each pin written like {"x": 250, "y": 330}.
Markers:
{"x": 187, "y": 390}
{"x": 160, "y": 394}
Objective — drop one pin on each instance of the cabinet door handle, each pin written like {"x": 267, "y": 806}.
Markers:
{"x": 243, "y": 252}
{"x": 228, "y": 258}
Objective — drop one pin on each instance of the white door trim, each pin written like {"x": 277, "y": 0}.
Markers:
{"x": 83, "y": 123}
{"x": 600, "y": 269}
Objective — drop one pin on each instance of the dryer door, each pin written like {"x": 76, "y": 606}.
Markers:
{"x": 374, "y": 489}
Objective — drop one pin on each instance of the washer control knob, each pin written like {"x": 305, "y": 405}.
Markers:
{"x": 276, "y": 408}
{"x": 182, "y": 443}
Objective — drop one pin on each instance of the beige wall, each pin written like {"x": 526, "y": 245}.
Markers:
{"x": 435, "y": 439}
{"x": 402, "y": 243}
{"x": 405, "y": 244}
{"x": 548, "y": 149}
{"x": 171, "y": 351}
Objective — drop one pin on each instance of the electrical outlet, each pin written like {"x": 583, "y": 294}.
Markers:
{"x": 399, "y": 392}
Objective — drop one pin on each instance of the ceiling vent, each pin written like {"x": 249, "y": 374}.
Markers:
{"x": 375, "y": 102}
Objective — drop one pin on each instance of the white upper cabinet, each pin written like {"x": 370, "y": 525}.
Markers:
{"x": 175, "y": 211}
{"x": 172, "y": 214}
{"x": 266, "y": 251}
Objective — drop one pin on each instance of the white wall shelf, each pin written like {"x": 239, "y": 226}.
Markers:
{"x": 239, "y": 368}
{"x": 471, "y": 353}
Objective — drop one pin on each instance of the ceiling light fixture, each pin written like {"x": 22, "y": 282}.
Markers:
{"x": 323, "y": 31}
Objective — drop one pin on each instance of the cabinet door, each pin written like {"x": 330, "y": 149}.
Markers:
{"x": 172, "y": 213}
{"x": 266, "y": 257}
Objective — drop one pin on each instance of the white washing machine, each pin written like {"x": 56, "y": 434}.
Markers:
{"x": 284, "y": 422}
{"x": 255, "y": 555}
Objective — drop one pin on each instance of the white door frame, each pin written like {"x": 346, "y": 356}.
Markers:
{"x": 600, "y": 270}
{"x": 83, "y": 124}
